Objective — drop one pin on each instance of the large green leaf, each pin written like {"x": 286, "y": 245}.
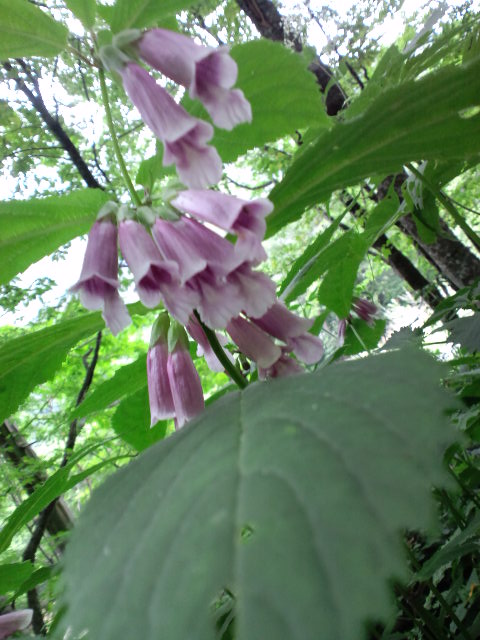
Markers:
{"x": 283, "y": 94}
{"x": 291, "y": 495}
{"x": 31, "y": 229}
{"x": 26, "y": 30}
{"x": 424, "y": 119}
{"x": 85, "y": 10}
{"x": 33, "y": 358}
{"x": 128, "y": 14}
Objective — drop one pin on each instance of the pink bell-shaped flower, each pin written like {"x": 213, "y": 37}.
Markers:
{"x": 254, "y": 342}
{"x": 183, "y": 378}
{"x": 97, "y": 286}
{"x": 159, "y": 392}
{"x": 184, "y": 137}
{"x": 365, "y": 309}
{"x": 14, "y": 621}
{"x": 208, "y": 74}
{"x": 174, "y": 386}
{"x": 281, "y": 368}
{"x": 241, "y": 217}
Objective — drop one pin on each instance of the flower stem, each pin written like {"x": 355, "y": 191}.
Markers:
{"x": 233, "y": 371}
{"x": 116, "y": 146}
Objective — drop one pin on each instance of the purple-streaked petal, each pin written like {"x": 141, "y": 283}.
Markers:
{"x": 185, "y": 385}
{"x": 198, "y": 165}
{"x": 227, "y": 107}
{"x": 14, "y": 621}
{"x": 150, "y": 271}
{"x": 184, "y": 137}
{"x": 115, "y": 313}
{"x": 180, "y": 301}
{"x": 256, "y": 290}
{"x": 342, "y": 328}
{"x": 308, "y": 348}
{"x": 365, "y": 309}
{"x": 176, "y": 245}
{"x": 284, "y": 366}
{"x": 207, "y": 73}
{"x": 253, "y": 342}
{"x": 281, "y": 323}
{"x": 225, "y": 211}
{"x": 219, "y": 300}
{"x": 159, "y": 392}
{"x": 171, "y": 53}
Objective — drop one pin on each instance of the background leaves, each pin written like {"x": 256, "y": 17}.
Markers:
{"x": 26, "y": 30}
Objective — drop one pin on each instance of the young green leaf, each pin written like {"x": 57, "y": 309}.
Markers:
{"x": 85, "y": 10}
{"x": 31, "y": 229}
{"x": 27, "y": 30}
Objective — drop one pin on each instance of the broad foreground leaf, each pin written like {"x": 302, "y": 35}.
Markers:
{"x": 26, "y": 30}
{"x": 31, "y": 229}
{"x": 145, "y": 13}
{"x": 426, "y": 119}
{"x": 290, "y": 495}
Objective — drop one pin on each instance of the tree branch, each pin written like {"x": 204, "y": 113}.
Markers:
{"x": 53, "y": 125}
{"x": 37, "y": 535}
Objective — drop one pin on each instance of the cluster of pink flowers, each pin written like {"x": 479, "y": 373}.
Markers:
{"x": 178, "y": 254}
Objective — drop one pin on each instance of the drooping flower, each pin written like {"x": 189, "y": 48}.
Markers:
{"x": 281, "y": 323}
{"x": 209, "y": 74}
{"x": 97, "y": 286}
{"x": 184, "y": 137}
{"x": 14, "y": 621}
{"x": 307, "y": 347}
{"x": 156, "y": 279}
{"x": 254, "y": 342}
{"x": 159, "y": 392}
{"x": 342, "y": 328}
{"x": 183, "y": 377}
{"x": 284, "y": 366}
{"x": 365, "y": 309}
{"x": 243, "y": 218}
{"x": 174, "y": 386}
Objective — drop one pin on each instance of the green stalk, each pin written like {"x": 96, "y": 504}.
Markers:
{"x": 449, "y": 206}
{"x": 234, "y": 373}
{"x": 116, "y": 146}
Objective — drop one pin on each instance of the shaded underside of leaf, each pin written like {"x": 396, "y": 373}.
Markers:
{"x": 291, "y": 495}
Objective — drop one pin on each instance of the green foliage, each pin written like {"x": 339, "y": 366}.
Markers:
{"x": 12, "y": 576}
{"x": 399, "y": 125}
{"x": 129, "y": 14}
{"x": 279, "y": 472}
{"x": 26, "y": 30}
{"x": 31, "y": 229}
{"x": 85, "y": 10}
{"x": 127, "y": 380}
